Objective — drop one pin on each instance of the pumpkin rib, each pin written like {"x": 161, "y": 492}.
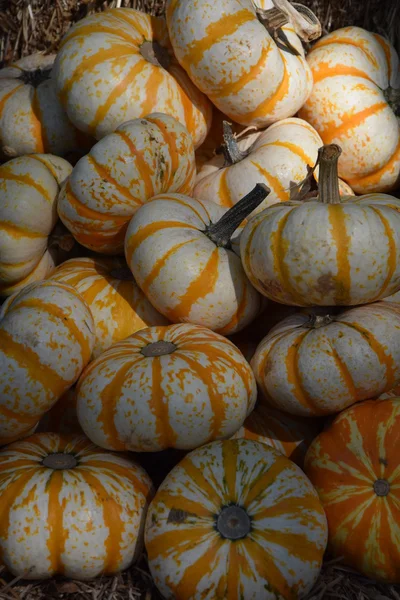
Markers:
{"x": 24, "y": 179}
{"x": 334, "y": 132}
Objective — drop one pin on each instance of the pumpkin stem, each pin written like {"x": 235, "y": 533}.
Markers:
{"x": 233, "y": 523}
{"x": 230, "y": 147}
{"x": 315, "y": 321}
{"x": 154, "y": 53}
{"x": 381, "y": 487}
{"x": 303, "y": 20}
{"x": 59, "y": 460}
{"x": 159, "y": 348}
{"x": 35, "y": 77}
{"x": 221, "y": 232}
{"x": 392, "y": 97}
{"x": 328, "y": 179}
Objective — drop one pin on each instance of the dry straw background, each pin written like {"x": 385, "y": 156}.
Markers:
{"x": 28, "y": 26}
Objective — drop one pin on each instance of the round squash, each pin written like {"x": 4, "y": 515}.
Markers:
{"x": 69, "y": 508}
{"x": 177, "y": 386}
{"x": 319, "y": 364}
{"x": 139, "y": 160}
{"x": 235, "y": 519}
{"x": 183, "y": 257}
{"x": 118, "y": 306}
{"x": 356, "y": 87}
{"x": 328, "y": 251}
{"x": 290, "y": 435}
{"x": 62, "y": 417}
{"x": 354, "y": 465}
{"x": 253, "y": 77}
{"x": 280, "y": 157}
{"x": 118, "y": 65}
{"x": 29, "y": 186}
{"x": 32, "y": 119}
{"x": 46, "y": 339}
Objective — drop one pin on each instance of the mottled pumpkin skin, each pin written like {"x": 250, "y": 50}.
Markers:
{"x": 290, "y": 435}
{"x": 80, "y": 522}
{"x": 185, "y": 275}
{"x": 360, "y": 448}
{"x": 316, "y": 254}
{"x": 319, "y": 371}
{"x": 118, "y": 306}
{"x": 281, "y": 556}
{"x": 201, "y": 391}
{"x": 279, "y": 157}
{"x": 29, "y": 186}
{"x": 351, "y": 69}
{"x": 232, "y": 58}
{"x": 46, "y": 339}
{"x": 103, "y": 79}
{"x": 32, "y": 119}
{"x": 142, "y": 158}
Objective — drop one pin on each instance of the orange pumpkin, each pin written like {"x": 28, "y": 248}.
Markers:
{"x": 354, "y": 465}
{"x": 118, "y": 306}
{"x": 118, "y": 65}
{"x": 142, "y": 158}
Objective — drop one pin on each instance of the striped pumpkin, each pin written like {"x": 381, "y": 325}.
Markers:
{"x": 226, "y": 49}
{"x": 354, "y": 73}
{"x": 62, "y": 417}
{"x": 290, "y": 435}
{"x": 235, "y": 519}
{"x": 118, "y": 65}
{"x": 331, "y": 251}
{"x": 69, "y": 508}
{"x": 188, "y": 273}
{"x": 319, "y": 364}
{"x": 354, "y": 465}
{"x": 177, "y": 386}
{"x": 139, "y": 160}
{"x": 118, "y": 306}
{"x": 279, "y": 157}
{"x": 29, "y": 186}
{"x": 31, "y": 117}
{"x": 46, "y": 339}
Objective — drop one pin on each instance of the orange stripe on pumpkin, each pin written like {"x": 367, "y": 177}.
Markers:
{"x": 85, "y": 30}
{"x": 375, "y": 177}
{"x": 83, "y": 210}
{"x": 324, "y": 70}
{"x": 134, "y": 241}
{"x": 16, "y": 231}
{"x": 160, "y": 263}
{"x": 201, "y": 567}
{"x": 360, "y": 44}
{"x": 268, "y": 105}
{"x": 238, "y": 314}
{"x": 273, "y": 182}
{"x": 142, "y": 165}
{"x": 391, "y": 255}
{"x": 292, "y": 148}
{"x": 7, "y": 96}
{"x": 58, "y": 535}
{"x": 158, "y": 404}
{"x": 342, "y": 241}
{"x": 7, "y": 175}
{"x": 333, "y": 132}
{"x": 38, "y": 129}
{"x": 224, "y": 193}
{"x": 294, "y": 376}
{"x": 170, "y": 139}
{"x": 104, "y": 172}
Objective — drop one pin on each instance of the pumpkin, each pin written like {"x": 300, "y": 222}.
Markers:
{"x": 290, "y": 435}
{"x": 235, "y": 519}
{"x": 319, "y": 364}
{"x": 354, "y": 465}
{"x": 139, "y": 160}
{"x": 69, "y": 508}
{"x": 118, "y": 306}
{"x": 180, "y": 252}
{"x": 353, "y": 103}
{"x": 62, "y": 417}
{"x": 118, "y": 65}
{"x": 280, "y": 157}
{"x": 46, "y": 339}
{"x": 176, "y": 386}
{"x": 29, "y": 186}
{"x": 253, "y": 77}
{"x": 31, "y": 117}
{"x": 328, "y": 251}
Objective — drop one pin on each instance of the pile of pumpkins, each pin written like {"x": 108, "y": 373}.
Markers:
{"x": 200, "y": 251}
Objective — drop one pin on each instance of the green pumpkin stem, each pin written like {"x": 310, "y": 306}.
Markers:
{"x": 328, "y": 178}
{"x": 230, "y": 147}
{"x": 221, "y": 232}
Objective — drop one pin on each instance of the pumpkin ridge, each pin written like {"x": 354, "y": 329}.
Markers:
{"x": 268, "y": 105}
{"x": 324, "y": 71}
{"x": 332, "y": 132}
{"x": 141, "y": 164}
{"x": 391, "y": 257}
{"x": 165, "y": 435}
{"x": 25, "y": 179}
{"x": 369, "y": 179}
{"x": 38, "y": 129}
{"x": 104, "y": 173}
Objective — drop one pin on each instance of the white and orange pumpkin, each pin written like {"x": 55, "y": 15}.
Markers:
{"x": 353, "y": 103}
{"x": 118, "y": 305}
{"x": 183, "y": 253}
{"x": 46, "y": 339}
{"x": 139, "y": 160}
{"x": 32, "y": 119}
{"x": 319, "y": 364}
{"x": 235, "y": 519}
{"x": 328, "y": 251}
{"x": 29, "y": 186}
{"x": 229, "y": 53}
{"x": 69, "y": 508}
{"x": 354, "y": 466}
{"x": 177, "y": 386}
{"x": 118, "y": 65}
